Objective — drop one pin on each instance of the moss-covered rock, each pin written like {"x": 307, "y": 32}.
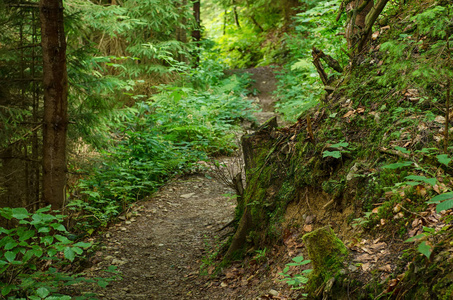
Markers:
{"x": 327, "y": 253}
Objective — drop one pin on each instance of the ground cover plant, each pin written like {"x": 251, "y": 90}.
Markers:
{"x": 162, "y": 137}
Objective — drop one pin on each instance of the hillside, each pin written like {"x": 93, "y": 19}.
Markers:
{"x": 371, "y": 162}
{"x": 251, "y": 149}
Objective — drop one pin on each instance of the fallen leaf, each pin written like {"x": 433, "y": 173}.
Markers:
{"x": 421, "y": 190}
{"x": 386, "y": 268}
{"x": 308, "y": 228}
{"x": 440, "y": 120}
{"x": 379, "y": 246}
{"x": 349, "y": 113}
{"x": 416, "y": 222}
{"x": 364, "y": 257}
{"x": 375, "y": 35}
{"x": 399, "y": 215}
{"x": 366, "y": 250}
{"x": 397, "y": 208}
{"x": 366, "y": 267}
{"x": 392, "y": 284}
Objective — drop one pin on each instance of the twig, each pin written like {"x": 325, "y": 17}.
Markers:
{"x": 306, "y": 199}
{"x": 310, "y": 130}
{"x": 447, "y": 104}
{"x": 411, "y": 212}
{"x": 394, "y": 152}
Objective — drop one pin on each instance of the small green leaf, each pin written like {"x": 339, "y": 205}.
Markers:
{"x": 340, "y": 145}
{"x": 440, "y": 198}
{"x": 77, "y": 250}
{"x": 20, "y": 213}
{"x": 28, "y": 255}
{"x": 5, "y": 231}
{"x": 63, "y": 239}
{"x": 298, "y": 259}
{"x": 59, "y": 227}
{"x": 47, "y": 240}
{"x": 103, "y": 283}
{"x": 7, "y": 289}
{"x": 44, "y": 229}
{"x": 403, "y": 150}
{"x": 51, "y": 252}
{"x": 69, "y": 253}
{"x": 431, "y": 181}
{"x": 37, "y": 251}
{"x": 10, "y": 256}
{"x": 415, "y": 238}
{"x": 443, "y": 159}
{"x": 398, "y": 165}
{"x": 448, "y": 204}
{"x": 334, "y": 154}
{"x": 10, "y": 245}
{"x": 425, "y": 249}
{"x": 82, "y": 245}
{"x": 44, "y": 209}
{"x": 61, "y": 298}
{"x": 42, "y": 292}
{"x": 26, "y": 235}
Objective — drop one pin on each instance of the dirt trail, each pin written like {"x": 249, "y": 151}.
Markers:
{"x": 160, "y": 244}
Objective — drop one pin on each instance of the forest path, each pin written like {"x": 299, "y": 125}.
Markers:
{"x": 160, "y": 244}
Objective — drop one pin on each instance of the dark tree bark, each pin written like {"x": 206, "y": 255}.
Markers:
{"x": 236, "y": 18}
{"x": 362, "y": 14}
{"x": 196, "y": 34}
{"x": 55, "y": 84}
{"x": 357, "y": 10}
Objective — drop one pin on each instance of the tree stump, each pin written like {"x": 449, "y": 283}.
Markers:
{"x": 327, "y": 253}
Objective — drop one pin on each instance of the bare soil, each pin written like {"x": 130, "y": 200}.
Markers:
{"x": 162, "y": 243}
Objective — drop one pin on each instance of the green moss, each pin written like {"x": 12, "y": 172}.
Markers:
{"x": 327, "y": 253}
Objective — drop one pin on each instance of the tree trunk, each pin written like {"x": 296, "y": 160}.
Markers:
{"x": 362, "y": 14}
{"x": 196, "y": 33}
{"x": 55, "y": 84}
{"x": 357, "y": 11}
{"x": 236, "y": 18}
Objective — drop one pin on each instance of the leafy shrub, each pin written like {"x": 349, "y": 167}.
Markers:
{"x": 299, "y": 85}
{"x": 167, "y": 135}
{"x": 296, "y": 281}
{"x": 34, "y": 255}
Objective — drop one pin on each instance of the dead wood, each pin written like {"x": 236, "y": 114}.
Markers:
{"x": 329, "y": 60}
{"x": 319, "y": 68}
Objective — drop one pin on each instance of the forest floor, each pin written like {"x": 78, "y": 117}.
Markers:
{"x": 164, "y": 245}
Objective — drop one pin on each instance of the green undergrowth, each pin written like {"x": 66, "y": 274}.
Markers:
{"x": 161, "y": 137}
{"x": 299, "y": 86}
{"x": 40, "y": 260}
{"x": 379, "y": 145}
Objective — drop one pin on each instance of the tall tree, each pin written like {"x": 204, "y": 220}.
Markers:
{"x": 362, "y": 14}
{"x": 196, "y": 33}
{"x": 55, "y": 84}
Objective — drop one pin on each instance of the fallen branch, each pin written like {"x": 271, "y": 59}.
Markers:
{"x": 394, "y": 152}
{"x": 330, "y": 61}
{"x": 319, "y": 68}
